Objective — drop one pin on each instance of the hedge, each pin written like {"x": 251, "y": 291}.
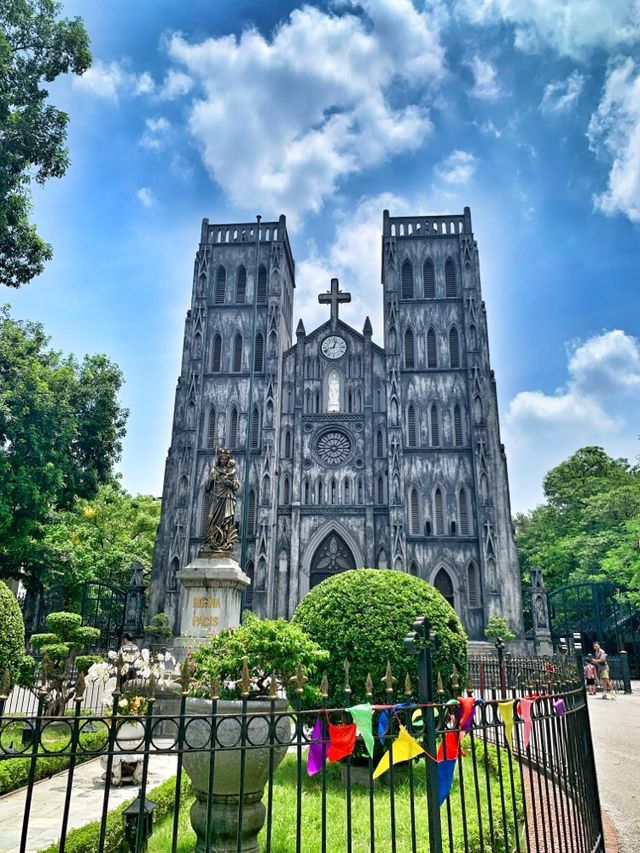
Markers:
{"x": 85, "y": 839}
{"x": 363, "y": 615}
{"x": 11, "y": 634}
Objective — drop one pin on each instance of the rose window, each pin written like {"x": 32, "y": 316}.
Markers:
{"x": 333, "y": 447}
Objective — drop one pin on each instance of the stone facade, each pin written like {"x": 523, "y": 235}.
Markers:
{"x": 349, "y": 454}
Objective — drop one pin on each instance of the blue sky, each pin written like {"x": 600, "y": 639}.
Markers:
{"x": 529, "y": 112}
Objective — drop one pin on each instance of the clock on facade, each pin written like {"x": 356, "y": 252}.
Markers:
{"x": 334, "y": 346}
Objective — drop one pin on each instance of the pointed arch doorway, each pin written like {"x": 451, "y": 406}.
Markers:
{"x": 444, "y": 585}
{"x": 332, "y": 556}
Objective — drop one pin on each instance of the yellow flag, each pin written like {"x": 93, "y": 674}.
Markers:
{"x": 404, "y": 748}
{"x": 506, "y": 712}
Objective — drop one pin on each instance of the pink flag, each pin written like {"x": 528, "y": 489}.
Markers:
{"x": 524, "y": 709}
{"x": 467, "y": 707}
{"x": 314, "y": 757}
{"x": 559, "y": 706}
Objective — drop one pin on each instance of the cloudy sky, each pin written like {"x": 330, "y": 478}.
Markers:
{"x": 529, "y": 112}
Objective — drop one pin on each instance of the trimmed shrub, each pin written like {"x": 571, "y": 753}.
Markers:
{"x": 363, "y": 616}
{"x": 11, "y": 634}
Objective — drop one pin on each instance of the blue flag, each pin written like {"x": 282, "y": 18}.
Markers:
{"x": 445, "y": 778}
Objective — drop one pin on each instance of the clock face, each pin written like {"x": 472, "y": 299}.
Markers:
{"x": 334, "y": 346}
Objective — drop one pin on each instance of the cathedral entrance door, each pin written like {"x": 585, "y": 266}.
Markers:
{"x": 332, "y": 556}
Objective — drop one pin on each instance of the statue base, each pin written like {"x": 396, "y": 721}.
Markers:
{"x": 211, "y": 598}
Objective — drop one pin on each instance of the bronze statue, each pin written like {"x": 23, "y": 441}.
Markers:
{"x": 221, "y": 490}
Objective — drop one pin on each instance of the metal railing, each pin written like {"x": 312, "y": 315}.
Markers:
{"x": 250, "y": 789}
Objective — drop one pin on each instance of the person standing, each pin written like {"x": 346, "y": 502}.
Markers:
{"x": 600, "y": 661}
{"x": 590, "y": 676}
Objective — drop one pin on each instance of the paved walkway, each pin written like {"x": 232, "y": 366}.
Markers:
{"x": 86, "y": 803}
{"x": 616, "y": 737}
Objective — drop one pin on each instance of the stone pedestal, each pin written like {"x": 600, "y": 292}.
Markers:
{"x": 210, "y": 598}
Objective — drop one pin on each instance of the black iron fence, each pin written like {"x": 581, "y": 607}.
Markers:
{"x": 484, "y": 767}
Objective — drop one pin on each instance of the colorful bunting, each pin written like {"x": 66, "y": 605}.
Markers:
{"x": 524, "y": 709}
{"x": 445, "y": 778}
{"x": 404, "y": 748}
{"x": 452, "y": 742}
{"x": 467, "y": 707}
{"x": 343, "y": 740}
{"x": 314, "y": 756}
{"x": 559, "y": 706}
{"x": 385, "y": 716}
{"x": 505, "y": 710}
{"x": 417, "y": 720}
{"x": 362, "y": 717}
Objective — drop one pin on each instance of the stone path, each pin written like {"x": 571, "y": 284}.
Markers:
{"x": 616, "y": 738}
{"x": 86, "y": 803}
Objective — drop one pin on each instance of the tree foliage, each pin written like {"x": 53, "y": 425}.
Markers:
{"x": 589, "y": 527}
{"x": 11, "y": 634}
{"x": 61, "y": 430}
{"x": 36, "y": 47}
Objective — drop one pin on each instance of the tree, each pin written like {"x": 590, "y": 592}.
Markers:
{"x": 498, "y": 628}
{"x": 61, "y": 430}
{"x": 98, "y": 539}
{"x": 36, "y": 47}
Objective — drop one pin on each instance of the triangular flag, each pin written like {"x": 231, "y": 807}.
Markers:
{"x": 362, "y": 717}
{"x": 404, "y": 748}
{"x": 524, "y": 709}
{"x": 467, "y": 707}
{"x": 452, "y": 742}
{"x": 445, "y": 778}
{"x": 383, "y": 724}
{"x": 314, "y": 756}
{"x": 559, "y": 706}
{"x": 343, "y": 740}
{"x": 506, "y": 712}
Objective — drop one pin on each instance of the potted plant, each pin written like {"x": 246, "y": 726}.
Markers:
{"x": 249, "y": 668}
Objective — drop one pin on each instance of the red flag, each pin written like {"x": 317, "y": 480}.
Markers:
{"x": 452, "y": 740}
{"x": 343, "y": 740}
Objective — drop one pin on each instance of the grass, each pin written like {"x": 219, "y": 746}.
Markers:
{"x": 283, "y": 838}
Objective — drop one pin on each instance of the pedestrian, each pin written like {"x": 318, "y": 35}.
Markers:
{"x": 590, "y": 676}
{"x": 129, "y": 645}
{"x": 602, "y": 666}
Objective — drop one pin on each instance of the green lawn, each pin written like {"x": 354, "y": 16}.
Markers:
{"x": 284, "y": 813}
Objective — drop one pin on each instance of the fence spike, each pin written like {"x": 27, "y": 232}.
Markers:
{"x": 245, "y": 679}
{"x": 455, "y": 679}
{"x": 273, "y": 686}
{"x": 408, "y": 689}
{"x": 185, "y": 676}
{"x": 80, "y": 687}
{"x": 324, "y": 687}
{"x": 440, "y": 685}
{"x": 215, "y": 688}
{"x": 389, "y": 680}
{"x": 151, "y": 689}
{"x": 369, "y": 685}
{"x": 299, "y": 679}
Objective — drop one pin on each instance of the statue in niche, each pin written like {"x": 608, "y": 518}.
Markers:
{"x": 221, "y": 490}
{"x": 333, "y": 389}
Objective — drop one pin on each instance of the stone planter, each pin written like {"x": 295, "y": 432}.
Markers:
{"x": 226, "y": 779}
{"x": 126, "y": 766}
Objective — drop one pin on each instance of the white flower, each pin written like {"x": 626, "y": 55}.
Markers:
{"x": 112, "y": 655}
{"x": 159, "y": 656}
{"x": 123, "y": 703}
{"x": 145, "y": 655}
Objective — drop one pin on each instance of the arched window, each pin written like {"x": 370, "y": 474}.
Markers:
{"x": 172, "y": 580}
{"x": 379, "y": 444}
{"x": 306, "y": 492}
{"x": 360, "y": 491}
{"x": 415, "y": 513}
{"x": 333, "y": 491}
{"x": 453, "y": 527}
{"x": 432, "y": 352}
{"x": 233, "y": 427}
{"x": 427, "y": 528}
{"x": 262, "y": 284}
{"x": 413, "y": 568}
{"x": 407, "y": 280}
{"x": 211, "y": 429}
{"x": 380, "y": 398}
{"x": 204, "y": 514}
{"x": 454, "y": 347}
{"x": 221, "y": 283}
{"x": 464, "y": 513}
{"x": 346, "y": 491}
{"x": 255, "y": 427}
{"x": 197, "y": 345}
{"x": 450, "y": 283}
{"x": 258, "y": 354}
{"x": 248, "y": 590}
{"x": 307, "y": 401}
{"x": 251, "y": 513}
{"x": 435, "y": 426}
{"x": 216, "y": 354}
{"x": 183, "y": 487}
{"x": 241, "y": 285}
{"x": 237, "y": 353}
{"x": 444, "y": 585}
{"x": 438, "y": 506}
{"x": 473, "y": 590}
{"x": 412, "y": 436}
{"x": 319, "y": 489}
{"x": 429, "y": 280}
{"x": 458, "y": 437}
{"x": 316, "y": 402}
{"x": 409, "y": 350}
{"x": 287, "y": 444}
{"x": 286, "y": 492}
{"x": 380, "y": 490}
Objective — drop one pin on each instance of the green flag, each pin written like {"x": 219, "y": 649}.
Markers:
{"x": 363, "y": 718}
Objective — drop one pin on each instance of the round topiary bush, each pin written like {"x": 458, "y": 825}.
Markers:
{"x": 11, "y": 633}
{"x": 364, "y": 615}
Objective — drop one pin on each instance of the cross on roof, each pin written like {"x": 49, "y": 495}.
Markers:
{"x": 334, "y": 297}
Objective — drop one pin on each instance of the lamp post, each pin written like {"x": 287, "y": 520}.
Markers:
{"x": 132, "y": 817}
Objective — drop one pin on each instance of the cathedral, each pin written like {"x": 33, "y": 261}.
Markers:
{"x": 349, "y": 454}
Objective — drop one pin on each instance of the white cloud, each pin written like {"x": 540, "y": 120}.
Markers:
{"x": 281, "y": 120}
{"x": 485, "y": 85}
{"x": 606, "y": 364}
{"x": 146, "y": 197}
{"x": 571, "y": 27}
{"x": 175, "y": 85}
{"x": 109, "y": 80}
{"x": 458, "y": 168}
{"x": 614, "y": 133}
{"x": 561, "y": 95}
{"x": 156, "y": 133}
